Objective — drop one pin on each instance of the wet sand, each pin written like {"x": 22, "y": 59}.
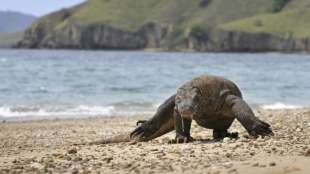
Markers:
{"x": 47, "y": 147}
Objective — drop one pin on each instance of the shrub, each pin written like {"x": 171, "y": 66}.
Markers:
{"x": 199, "y": 33}
{"x": 177, "y": 32}
{"x": 258, "y": 23}
{"x": 204, "y": 3}
{"x": 278, "y": 5}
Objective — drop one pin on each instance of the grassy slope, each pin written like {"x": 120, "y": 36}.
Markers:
{"x": 295, "y": 4}
{"x": 9, "y": 39}
{"x": 132, "y": 14}
{"x": 239, "y": 15}
{"x": 292, "y": 21}
{"x": 287, "y": 23}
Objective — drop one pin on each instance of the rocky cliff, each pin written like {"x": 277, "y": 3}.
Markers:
{"x": 237, "y": 41}
{"x": 96, "y": 36}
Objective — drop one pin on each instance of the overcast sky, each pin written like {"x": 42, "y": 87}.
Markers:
{"x": 36, "y": 7}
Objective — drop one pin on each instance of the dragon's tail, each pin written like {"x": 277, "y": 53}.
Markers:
{"x": 161, "y": 123}
{"x": 115, "y": 139}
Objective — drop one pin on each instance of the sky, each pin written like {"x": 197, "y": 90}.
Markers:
{"x": 36, "y": 7}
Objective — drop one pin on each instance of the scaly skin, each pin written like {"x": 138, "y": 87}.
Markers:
{"x": 203, "y": 100}
{"x": 213, "y": 102}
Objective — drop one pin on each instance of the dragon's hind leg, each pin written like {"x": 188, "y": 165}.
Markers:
{"x": 161, "y": 123}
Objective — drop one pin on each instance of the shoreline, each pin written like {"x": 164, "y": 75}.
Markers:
{"x": 5, "y": 119}
{"x": 47, "y": 146}
{"x": 161, "y": 50}
{"x": 18, "y": 119}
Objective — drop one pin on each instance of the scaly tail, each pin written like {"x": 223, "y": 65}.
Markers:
{"x": 161, "y": 123}
{"x": 115, "y": 139}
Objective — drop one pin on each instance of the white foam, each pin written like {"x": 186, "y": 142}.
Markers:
{"x": 280, "y": 105}
{"x": 79, "y": 111}
{"x": 3, "y": 59}
{"x": 70, "y": 112}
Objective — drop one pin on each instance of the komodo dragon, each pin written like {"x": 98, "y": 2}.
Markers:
{"x": 213, "y": 102}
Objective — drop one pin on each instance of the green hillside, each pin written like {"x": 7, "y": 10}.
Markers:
{"x": 179, "y": 20}
{"x": 9, "y": 39}
{"x": 289, "y": 23}
{"x": 130, "y": 15}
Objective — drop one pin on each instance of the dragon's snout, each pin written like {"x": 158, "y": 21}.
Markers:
{"x": 186, "y": 108}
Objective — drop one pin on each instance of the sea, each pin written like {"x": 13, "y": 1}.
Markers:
{"x": 40, "y": 84}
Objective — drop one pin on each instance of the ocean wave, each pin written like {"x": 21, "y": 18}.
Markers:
{"x": 55, "y": 112}
{"x": 127, "y": 109}
{"x": 2, "y": 59}
{"x": 78, "y": 111}
{"x": 127, "y": 89}
{"x": 280, "y": 105}
{"x": 127, "y": 104}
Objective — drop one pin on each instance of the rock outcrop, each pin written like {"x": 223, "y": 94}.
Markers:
{"x": 98, "y": 36}
{"x": 152, "y": 35}
{"x": 236, "y": 41}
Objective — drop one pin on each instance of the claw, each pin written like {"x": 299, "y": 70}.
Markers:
{"x": 136, "y": 132}
{"x": 262, "y": 123}
{"x": 140, "y": 122}
{"x": 183, "y": 139}
{"x": 143, "y": 131}
{"x": 233, "y": 135}
{"x": 261, "y": 128}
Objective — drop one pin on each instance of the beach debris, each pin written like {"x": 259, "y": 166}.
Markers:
{"x": 108, "y": 159}
{"x": 255, "y": 165}
{"x": 226, "y": 140}
{"x": 75, "y": 171}
{"x": 68, "y": 158}
{"x": 232, "y": 171}
{"x": 252, "y": 153}
{"x": 228, "y": 165}
{"x": 72, "y": 150}
{"x": 36, "y": 166}
{"x": 272, "y": 163}
{"x": 77, "y": 159}
{"x": 290, "y": 169}
{"x": 307, "y": 153}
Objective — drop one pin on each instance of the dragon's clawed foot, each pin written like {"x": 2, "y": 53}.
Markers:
{"x": 260, "y": 128}
{"x": 181, "y": 139}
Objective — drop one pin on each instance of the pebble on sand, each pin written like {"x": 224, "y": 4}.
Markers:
{"x": 307, "y": 154}
{"x": 72, "y": 151}
{"x": 37, "y": 166}
{"x": 272, "y": 164}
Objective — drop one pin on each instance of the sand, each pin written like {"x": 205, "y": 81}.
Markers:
{"x": 47, "y": 147}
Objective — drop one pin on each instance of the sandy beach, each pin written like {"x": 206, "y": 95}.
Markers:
{"x": 46, "y": 146}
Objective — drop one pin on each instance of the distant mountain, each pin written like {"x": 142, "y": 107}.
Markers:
{"x": 14, "y": 21}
